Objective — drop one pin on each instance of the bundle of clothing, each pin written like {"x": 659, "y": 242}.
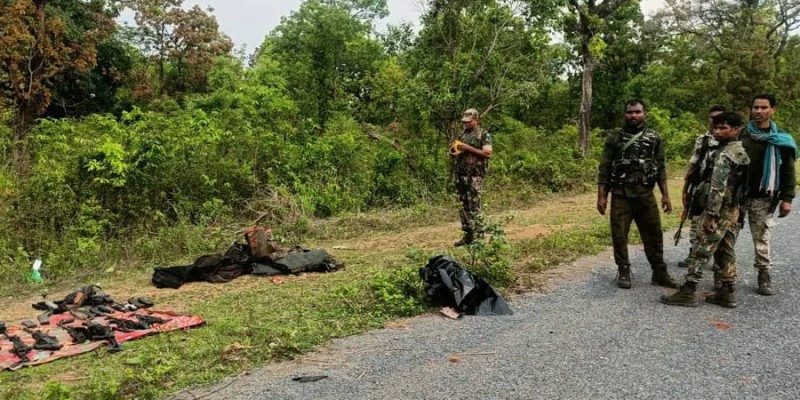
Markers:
{"x": 450, "y": 285}
{"x": 261, "y": 255}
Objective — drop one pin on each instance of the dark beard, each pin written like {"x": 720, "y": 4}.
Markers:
{"x": 632, "y": 128}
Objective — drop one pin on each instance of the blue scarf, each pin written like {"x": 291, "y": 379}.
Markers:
{"x": 771, "y": 177}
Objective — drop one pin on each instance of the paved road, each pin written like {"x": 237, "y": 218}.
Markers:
{"x": 584, "y": 339}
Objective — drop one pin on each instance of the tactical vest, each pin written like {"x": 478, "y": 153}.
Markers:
{"x": 737, "y": 183}
{"x": 637, "y": 163}
{"x": 468, "y": 164}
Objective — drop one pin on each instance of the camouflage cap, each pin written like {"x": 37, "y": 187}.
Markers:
{"x": 469, "y": 115}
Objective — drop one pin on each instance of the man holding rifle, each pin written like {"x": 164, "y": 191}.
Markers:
{"x": 702, "y": 153}
{"x": 720, "y": 218}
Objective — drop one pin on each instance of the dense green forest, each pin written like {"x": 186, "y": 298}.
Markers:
{"x": 114, "y": 135}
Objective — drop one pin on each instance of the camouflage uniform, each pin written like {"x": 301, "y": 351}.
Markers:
{"x": 708, "y": 145}
{"x": 722, "y": 209}
{"x": 630, "y": 174}
{"x": 469, "y": 173}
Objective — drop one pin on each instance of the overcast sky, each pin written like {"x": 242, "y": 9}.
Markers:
{"x": 248, "y": 21}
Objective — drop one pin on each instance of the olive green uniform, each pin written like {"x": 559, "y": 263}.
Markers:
{"x": 632, "y": 164}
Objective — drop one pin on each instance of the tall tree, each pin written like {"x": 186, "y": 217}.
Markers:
{"x": 745, "y": 40}
{"x": 326, "y": 49}
{"x": 180, "y": 44}
{"x": 37, "y": 47}
{"x": 477, "y": 53}
{"x": 584, "y": 26}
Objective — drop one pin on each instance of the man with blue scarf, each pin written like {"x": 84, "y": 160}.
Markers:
{"x": 771, "y": 181}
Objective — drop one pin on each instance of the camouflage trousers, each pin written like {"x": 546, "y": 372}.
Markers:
{"x": 645, "y": 212}
{"x": 469, "y": 194}
{"x": 759, "y": 216}
{"x": 693, "y": 227}
{"x": 721, "y": 245}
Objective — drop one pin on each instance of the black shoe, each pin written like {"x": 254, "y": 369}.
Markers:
{"x": 661, "y": 277}
{"x": 684, "y": 297}
{"x": 725, "y": 296}
{"x": 465, "y": 241}
{"x": 764, "y": 284}
{"x": 624, "y": 280}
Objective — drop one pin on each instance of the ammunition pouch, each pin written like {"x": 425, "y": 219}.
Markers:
{"x": 626, "y": 172}
{"x": 699, "y": 198}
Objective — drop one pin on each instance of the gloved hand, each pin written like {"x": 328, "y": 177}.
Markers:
{"x": 454, "y": 148}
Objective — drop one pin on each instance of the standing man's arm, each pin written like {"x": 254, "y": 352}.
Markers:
{"x": 486, "y": 147}
{"x": 661, "y": 161}
{"x": 788, "y": 182}
{"x": 604, "y": 174}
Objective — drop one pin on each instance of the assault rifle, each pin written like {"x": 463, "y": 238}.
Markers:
{"x": 44, "y": 341}
{"x": 685, "y": 213}
{"x": 694, "y": 178}
{"x": 20, "y": 349}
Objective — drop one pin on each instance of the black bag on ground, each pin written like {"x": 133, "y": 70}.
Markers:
{"x": 174, "y": 277}
{"x": 448, "y": 284}
{"x": 299, "y": 260}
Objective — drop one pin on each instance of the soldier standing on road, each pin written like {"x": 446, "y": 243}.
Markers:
{"x": 771, "y": 181}
{"x": 471, "y": 152}
{"x": 632, "y": 164}
{"x": 719, "y": 222}
{"x": 701, "y": 156}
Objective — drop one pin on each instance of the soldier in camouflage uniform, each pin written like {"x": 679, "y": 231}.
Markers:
{"x": 702, "y": 153}
{"x": 771, "y": 181}
{"x": 720, "y": 221}
{"x": 632, "y": 164}
{"x": 471, "y": 152}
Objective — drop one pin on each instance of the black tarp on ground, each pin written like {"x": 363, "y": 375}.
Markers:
{"x": 447, "y": 283}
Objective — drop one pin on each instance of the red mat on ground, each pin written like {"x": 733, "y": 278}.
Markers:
{"x": 10, "y": 361}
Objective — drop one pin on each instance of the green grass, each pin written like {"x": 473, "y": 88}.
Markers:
{"x": 254, "y": 321}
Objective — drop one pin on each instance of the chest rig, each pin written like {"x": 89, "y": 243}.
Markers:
{"x": 636, "y": 163}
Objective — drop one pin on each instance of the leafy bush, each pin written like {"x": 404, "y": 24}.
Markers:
{"x": 549, "y": 161}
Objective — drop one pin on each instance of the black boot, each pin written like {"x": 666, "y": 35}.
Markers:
{"x": 717, "y": 281}
{"x": 468, "y": 238}
{"x": 661, "y": 277}
{"x": 624, "y": 280}
{"x": 764, "y": 283}
{"x": 683, "y": 297}
{"x": 725, "y": 296}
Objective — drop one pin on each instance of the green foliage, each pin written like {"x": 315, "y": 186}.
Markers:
{"x": 679, "y": 133}
{"x": 398, "y": 292}
{"x": 489, "y": 255}
{"x": 547, "y": 160}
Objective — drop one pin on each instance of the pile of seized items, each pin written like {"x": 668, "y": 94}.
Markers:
{"x": 261, "y": 255}
{"x": 83, "y": 321}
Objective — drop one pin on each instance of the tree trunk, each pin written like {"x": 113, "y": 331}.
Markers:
{"x": 23, "y": 120}
{"x": 584, "y": 128}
